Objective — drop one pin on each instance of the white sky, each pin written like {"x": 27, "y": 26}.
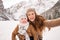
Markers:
{"x": 9, "y": 3}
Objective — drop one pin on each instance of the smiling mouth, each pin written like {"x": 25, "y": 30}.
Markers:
{"x": 31, "y": 18}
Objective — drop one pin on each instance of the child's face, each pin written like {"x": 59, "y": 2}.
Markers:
{"x": 23, "y": 20}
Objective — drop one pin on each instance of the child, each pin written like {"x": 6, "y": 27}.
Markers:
{"x": 23, "y": 26}
{"x": 20, "y": 31}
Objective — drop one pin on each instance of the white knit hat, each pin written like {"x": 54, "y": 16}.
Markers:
{"x": 22, "y": 16}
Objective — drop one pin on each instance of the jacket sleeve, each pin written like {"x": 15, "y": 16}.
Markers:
{"x": 52, "y": 23}
{"x": 33, "y": 31}
{"x": 14, "y": 33}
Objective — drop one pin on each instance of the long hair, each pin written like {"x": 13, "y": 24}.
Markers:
{"x": 38, "y": 22}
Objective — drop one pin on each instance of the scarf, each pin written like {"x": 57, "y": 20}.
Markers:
{"x": 22, "y": 30}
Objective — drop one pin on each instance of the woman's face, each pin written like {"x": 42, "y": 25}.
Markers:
{"x": 31, "y": 15}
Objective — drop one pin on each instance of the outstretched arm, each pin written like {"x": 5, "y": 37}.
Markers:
{"x": 14, "y": 33}
{"x": 52, "y": 23}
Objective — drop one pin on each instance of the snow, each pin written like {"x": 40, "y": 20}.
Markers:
{"x": 39, "y": 5}
{"x": 9, "y": 3}
{"x": 20, "y": 6}
{"x": 6, "y": 28}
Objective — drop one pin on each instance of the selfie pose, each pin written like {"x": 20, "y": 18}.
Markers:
{"x": 24, "y": 31}
{"x": 40, "y": 23}
{"x": 36, "y": 25}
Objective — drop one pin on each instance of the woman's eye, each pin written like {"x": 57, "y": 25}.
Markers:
{"x": 22, "y": 19}
{"x": 32, "y": 14}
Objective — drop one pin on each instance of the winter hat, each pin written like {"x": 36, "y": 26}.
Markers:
{"x": 22, "y": 16}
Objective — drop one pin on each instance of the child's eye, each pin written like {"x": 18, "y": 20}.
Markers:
{"x": 22, "y": 19}
{"x": 25, "y": 18}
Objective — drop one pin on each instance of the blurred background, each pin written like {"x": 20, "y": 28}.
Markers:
{"x": 10, "y": 10}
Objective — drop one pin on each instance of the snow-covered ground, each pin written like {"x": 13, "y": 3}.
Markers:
{"x": 6, "y": 28}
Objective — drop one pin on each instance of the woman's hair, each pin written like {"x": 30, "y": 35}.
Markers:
{"x": 38, "y": 22}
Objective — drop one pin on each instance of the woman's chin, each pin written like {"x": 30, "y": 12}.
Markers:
{"x": 32, "y": 20}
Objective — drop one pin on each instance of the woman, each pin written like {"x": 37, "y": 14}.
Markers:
{"x": 39, "y": 23}
{"x": 24, "y": 30}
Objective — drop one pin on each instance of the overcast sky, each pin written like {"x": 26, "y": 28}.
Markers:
{"x": 9, "y": 3}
